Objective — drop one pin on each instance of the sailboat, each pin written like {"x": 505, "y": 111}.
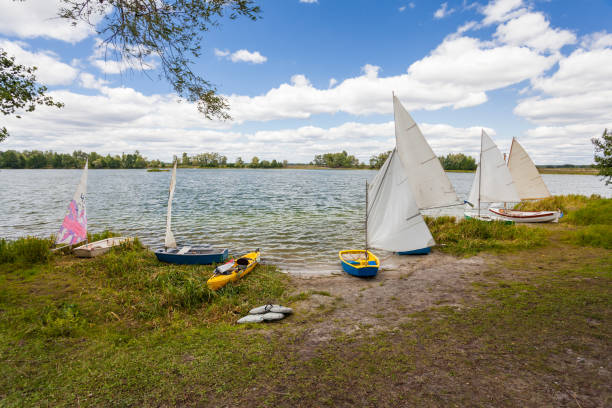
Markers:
{"x": 529, "y": 186}
{"x": 411, "y": 179}
{"x": 429, "y": 184}
{"x": 492, "y": 181}
{"x": 74, "y": 228}
{"x": 186, "y": 255}
{"x": 360, "y": 262}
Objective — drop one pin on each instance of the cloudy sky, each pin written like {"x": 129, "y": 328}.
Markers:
{"x": 316, "y": 76}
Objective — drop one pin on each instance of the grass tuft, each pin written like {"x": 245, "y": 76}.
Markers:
{"x": 28, "y": 250}
{"x": 565, "y": 203}
{"x": 470, "y": 236}
{"x": 592, "y": 235}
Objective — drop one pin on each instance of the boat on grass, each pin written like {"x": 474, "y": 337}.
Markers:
{"x": 233, "y": 270}
{"x": 526, "y": 216}
{"x": 96, "y": 248}
{"x": 359, "y": 262}
{"x": 187, "y": 254}
{"x": 529, "y": 186}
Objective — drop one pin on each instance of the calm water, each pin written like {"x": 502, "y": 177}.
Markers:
{"x": 297, "y": 217}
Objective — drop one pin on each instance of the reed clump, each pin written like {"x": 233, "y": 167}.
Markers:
{"x": 566, "y": 203}
{"x": 28, "y": 250}
{"x": 470, "y": 236}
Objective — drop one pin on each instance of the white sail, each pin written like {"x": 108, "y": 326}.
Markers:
{"x": 74, "y": 226}
{"x": 492, "y": 181}
{"x": 170, "y": 242}
{"x": 394, "y": 221}
{"x": 527, "y": 179}
{"x": 429, "y": 182}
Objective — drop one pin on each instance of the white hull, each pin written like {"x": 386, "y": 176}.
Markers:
{"x": 100, "y": 247}
{"x": 526, "y": 216}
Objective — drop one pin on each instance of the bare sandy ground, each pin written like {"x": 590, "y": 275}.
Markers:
{"x": 405, "y": 285}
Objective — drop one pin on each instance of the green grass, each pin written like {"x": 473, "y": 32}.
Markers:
{"x": 595, "y": 211}
{"x": 592, "y": 235}
{"x": 29, "y": 250}
{"x": 565, "y": 203}
{"x": 470, "y": 236}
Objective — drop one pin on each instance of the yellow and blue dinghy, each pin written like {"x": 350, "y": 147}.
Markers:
{"x": 359, "y": 262}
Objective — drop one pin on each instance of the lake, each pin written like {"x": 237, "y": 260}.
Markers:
{"x": 299, "y": 218}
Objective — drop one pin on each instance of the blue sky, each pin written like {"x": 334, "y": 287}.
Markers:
{"x": 312, "y": 77}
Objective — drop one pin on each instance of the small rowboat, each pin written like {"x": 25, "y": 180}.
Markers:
{"x": 188, "y": 255}
{"x": 526, "y": 216}
{"x": 100, "y": 247}
{"x": 233, "y": 270}
{"x": 356, "y": 263}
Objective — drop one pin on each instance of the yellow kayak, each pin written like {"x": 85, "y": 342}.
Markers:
{"x": 233, "y": 270}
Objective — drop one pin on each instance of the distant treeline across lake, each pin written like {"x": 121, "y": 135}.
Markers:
{"x": 35, "y": 159}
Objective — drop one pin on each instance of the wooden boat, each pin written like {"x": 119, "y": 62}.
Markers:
{"x": 529, "y": 186}
{"x": 233, "y": 270}
{"x": 186, "y": 255}
{"x": 356, "y": 263}
{"x": 526, "y": 216}
{"x": 100, "y": 247}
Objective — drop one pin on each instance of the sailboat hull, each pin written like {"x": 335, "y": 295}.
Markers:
{"x": 526, "y": 216}
{"x": 363, "y": 268}
{"x": 422, "y": 251}
{"x": 192, "y": 257}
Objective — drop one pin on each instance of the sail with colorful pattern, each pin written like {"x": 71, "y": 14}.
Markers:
{"x": 74, "y": 227}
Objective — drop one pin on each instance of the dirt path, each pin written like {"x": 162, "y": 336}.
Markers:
{"x": 406, "y": 285}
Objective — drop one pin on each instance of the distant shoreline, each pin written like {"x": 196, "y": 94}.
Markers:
{"x": 585, "y": 171}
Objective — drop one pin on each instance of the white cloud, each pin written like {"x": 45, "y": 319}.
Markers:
{"x": 332, "y": 82}
{"x": 443, "y": 11}
{"x": 241, "y": 56}
{"x": 38, "y": 18}
{"x": 87, "y": 80}
{"x": 501, "y": 10}
{"x": 411, "y": 5}
{"x": 309, "y": 1}
{"x": 533, "y": 30}
{"x": 402, "y": 8}
{"x": 597, "y": 40}
{"x": 51, "y": 71}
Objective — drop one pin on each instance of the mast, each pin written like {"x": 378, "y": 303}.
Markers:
{"x": 365, "y": 253}
{"x": 480, "y": 172}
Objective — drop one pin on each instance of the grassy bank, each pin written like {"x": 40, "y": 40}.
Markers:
{"x": 533, "y": 329}
{"x": 568, "y": 170}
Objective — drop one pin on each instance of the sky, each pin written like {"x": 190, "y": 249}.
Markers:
{"x": 317, "y": 76}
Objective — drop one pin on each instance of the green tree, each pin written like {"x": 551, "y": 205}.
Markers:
{"x": 18, "y": 90}
{"x": 239, "y": 162}
{"x": 458, "y": 161}
{"x": 171, "y": 30}
{"x": 603, "y": 155}
{"x": 254, "y": 162}
{"x": 376, "y": 162}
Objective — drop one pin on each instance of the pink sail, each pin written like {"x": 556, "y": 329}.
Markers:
{"x": 74, "y": 227}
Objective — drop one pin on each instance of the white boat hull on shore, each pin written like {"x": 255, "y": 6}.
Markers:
{"x": 100, "y": 247}
{"x": 526, "y": 216}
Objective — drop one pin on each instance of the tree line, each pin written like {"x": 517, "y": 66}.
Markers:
{"x": 36, "y": 159}
{"x": 452, "y": 161}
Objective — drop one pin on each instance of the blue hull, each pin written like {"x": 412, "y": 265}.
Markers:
{"x": 366, "y": 272}
{"x": 192, "y": 258}
{"x": 422, "y": 251}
